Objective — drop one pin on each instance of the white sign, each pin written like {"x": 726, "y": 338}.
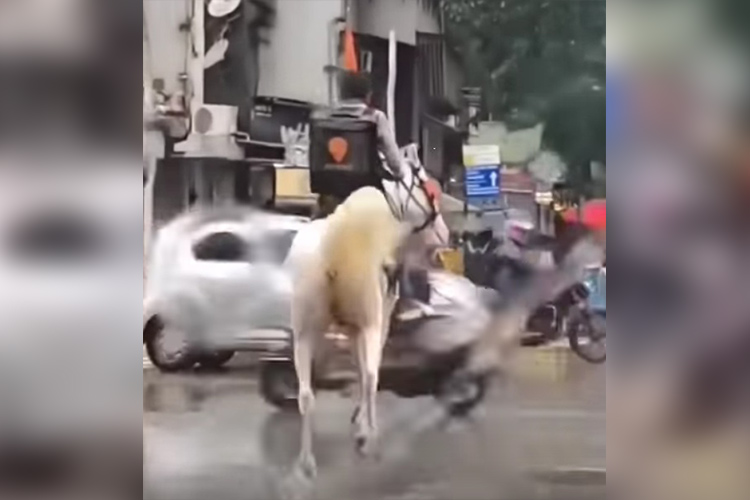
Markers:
{"x": 544, "y": 198}
{"x": 296, "y": 145}
{"x": 479, "y": 156}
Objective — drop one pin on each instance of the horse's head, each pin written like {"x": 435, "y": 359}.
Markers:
{"x": 415, "y": 199}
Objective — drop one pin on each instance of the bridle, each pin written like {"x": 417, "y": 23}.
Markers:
{"x": 401, "y": 209}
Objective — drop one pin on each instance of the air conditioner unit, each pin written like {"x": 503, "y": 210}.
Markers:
{"x": 212, "y": 133}
{"x": 215, "y": 120}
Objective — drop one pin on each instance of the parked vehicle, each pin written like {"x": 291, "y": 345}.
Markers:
{"x": 587, "y": 328}
{"x": 216, "y": 285}
{"x": 569, "y": 315}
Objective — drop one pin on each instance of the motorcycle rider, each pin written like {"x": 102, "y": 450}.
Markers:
{"x": 356, "y": 101}
{"x": 355, "y": 92}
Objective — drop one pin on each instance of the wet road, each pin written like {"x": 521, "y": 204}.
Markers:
{"x": 212, "y": 437}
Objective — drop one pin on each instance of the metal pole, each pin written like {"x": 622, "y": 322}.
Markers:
{"x": 392, "y": 60}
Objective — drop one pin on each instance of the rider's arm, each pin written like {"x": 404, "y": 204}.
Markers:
{"x": 388, "y": 145}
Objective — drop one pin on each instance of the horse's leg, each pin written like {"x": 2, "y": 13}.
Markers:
{"x": 309, "y": 321}
{"x": 303, "y": 359}
{"x": 370, "y": 343}
{"x": 369, "y": 352}
{"x": 388, "y": 309}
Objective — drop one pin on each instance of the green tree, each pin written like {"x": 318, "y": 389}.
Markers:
{"x": 539, "y": 61}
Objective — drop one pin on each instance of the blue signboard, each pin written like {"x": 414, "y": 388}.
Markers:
{"x": 483, "y": 183}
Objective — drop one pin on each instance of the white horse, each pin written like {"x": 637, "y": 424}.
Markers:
{"x": 343, "y": 274}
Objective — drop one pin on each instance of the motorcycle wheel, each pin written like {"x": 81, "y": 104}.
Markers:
{"x": 587, "y": 335}
{"x": 461, "y": 394}
{"x": 278, "y": 385}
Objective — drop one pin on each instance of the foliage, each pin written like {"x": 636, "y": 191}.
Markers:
{"x": 538, "y": 61}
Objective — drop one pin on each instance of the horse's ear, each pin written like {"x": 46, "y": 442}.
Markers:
{"x": 434, "y": 191}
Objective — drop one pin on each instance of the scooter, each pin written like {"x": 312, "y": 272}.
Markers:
{"x": 423, "y": 356}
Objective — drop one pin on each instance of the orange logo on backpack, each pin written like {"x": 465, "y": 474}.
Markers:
{"x": 338, "y": 147}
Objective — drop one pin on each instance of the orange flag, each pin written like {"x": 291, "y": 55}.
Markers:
{"x": 351, "y": 63}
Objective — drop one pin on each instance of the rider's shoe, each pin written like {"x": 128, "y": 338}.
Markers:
{"x": 415, "y": 310}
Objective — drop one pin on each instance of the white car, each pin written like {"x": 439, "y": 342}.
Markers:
{"x": 216, "y": 284}
{"x": 70, "y": 272}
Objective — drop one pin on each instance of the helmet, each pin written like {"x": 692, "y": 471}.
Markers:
{"x": 518, "y": 231}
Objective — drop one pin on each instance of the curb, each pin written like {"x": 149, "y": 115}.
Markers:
{"x": 551, "y": 363}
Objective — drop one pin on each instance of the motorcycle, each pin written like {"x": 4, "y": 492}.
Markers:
{"x": 423, "y": 356}
{"x": 570, "y": 315}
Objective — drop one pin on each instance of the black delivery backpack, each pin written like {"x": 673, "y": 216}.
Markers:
{"x": 343, "y": 155}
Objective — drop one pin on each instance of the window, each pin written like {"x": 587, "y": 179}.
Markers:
{"x": 221, "y": 247}
{"x": 365, "y": 61}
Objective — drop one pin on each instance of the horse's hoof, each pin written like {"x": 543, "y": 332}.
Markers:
{"x": 360, "y": 444}
{"x": 462, "y": 393}
{"x": 298, "y": 485}
{"x": 366, "y": 446}
{"x": 307, "y": 467}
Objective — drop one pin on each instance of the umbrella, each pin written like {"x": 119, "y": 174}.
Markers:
{"x": 593, "y": 214}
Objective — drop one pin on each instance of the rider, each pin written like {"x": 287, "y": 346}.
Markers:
{"x": 355, "y": 91}
{"x": 356, "y": 101}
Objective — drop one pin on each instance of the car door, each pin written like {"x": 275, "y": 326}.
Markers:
{"x": 225, "y": 275}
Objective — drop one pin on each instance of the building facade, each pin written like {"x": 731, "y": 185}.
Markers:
{"x": 244, "y": 84}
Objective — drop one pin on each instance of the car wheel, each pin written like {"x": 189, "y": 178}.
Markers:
{"x": 167, "y": 347}
{"x": 215, "y": 360}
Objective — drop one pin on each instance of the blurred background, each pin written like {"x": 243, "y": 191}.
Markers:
{"x": 677, "y": 136}
{"x": 70, "y": 250}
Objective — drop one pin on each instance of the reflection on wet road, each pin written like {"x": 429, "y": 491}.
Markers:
{"x": 212, "y": 437}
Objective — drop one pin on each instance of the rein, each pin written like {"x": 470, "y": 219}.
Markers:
{"x": 400, "y": 211}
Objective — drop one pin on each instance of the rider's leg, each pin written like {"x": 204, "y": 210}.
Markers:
{"x": 413, "y": 304}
